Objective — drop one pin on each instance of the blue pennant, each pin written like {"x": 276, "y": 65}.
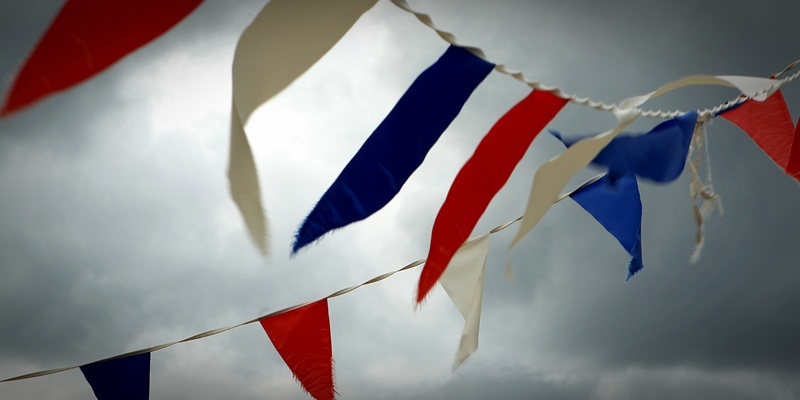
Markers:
{"x": 615, "y": 204}
{"x": 125, "y": 378}
{"x": 398, "y": 146}
{"x": 658, "y": 155}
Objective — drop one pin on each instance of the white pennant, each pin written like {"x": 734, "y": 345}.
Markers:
{"x": 463, "y": 282}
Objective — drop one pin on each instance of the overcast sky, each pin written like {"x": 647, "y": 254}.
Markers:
{"x": 117, "y": 231}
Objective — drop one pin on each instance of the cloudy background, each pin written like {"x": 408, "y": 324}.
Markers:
{"x": 117, "y": 231}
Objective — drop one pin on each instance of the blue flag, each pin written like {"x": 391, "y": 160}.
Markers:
{"x": 658, "y": 155}
{"x": 615, "y": 204}
{"x": 398, "y": 146}
{"x": 125, "y": 378}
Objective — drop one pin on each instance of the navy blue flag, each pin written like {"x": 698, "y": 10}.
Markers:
{"x": 398, "y": 146}
{"x": 615, "y": 204}
{"x": 125, "y": 378}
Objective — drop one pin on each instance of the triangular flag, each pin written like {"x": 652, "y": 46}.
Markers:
{"x": 284, "y": 40}
{"x": 125, "y": 378}
{"x": 303, "y": 339}
{"x": 615, "y": 204}
{"x": 769, "y": 124}
{"x": 86, "y": 37}
{"x": 463, "y": 282}
{"x": 482, "y": 176}
{"x": 658, "y": 155}
{"x": 398, "y": 146}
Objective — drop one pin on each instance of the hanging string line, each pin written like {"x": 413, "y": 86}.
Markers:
{"x": 585, "y": 101}
{"x": 337, "y": 293}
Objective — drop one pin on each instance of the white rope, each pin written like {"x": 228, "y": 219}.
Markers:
{"x": 337, "y": 293}
{"x": 573, "y": 98}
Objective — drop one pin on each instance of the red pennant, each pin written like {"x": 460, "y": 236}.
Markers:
{"x": 769, "y": 124}
{"x": 86, "y": 37}
{"x": 303, "y": 339}
{"x": 793, "y": 166}
{"x": 482, "y": 177}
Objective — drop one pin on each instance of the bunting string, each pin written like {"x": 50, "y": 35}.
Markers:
{"x": 586, "y": 101}
{"x": 787, "y": 69}
{"x": 337, "y": 293}
{"x": 704, "y": 198}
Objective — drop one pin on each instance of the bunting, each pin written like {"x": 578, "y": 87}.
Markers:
{"x": 88, "y": 36}
{"x": 85, "y": 38}
{"x": 283, "y": 41}
{"x": 303, "y": 339}
{"x": 770, "y": 125}
{"x": 398, "y": 146}
{"x": 463, "y": 282}
{"x": 551, "y": 178}
{"x": 481, "y": 178}
{"x": 126, "y": 378}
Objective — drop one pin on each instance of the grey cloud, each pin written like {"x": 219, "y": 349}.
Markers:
{"x": 115, "y": 237}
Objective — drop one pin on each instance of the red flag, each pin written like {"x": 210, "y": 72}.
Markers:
{"x": 86, "y": 37}
{"x": 303, "y": 339}
{"x": 482, "y": 177}
{"x": 770, "y": 125}
{"x": 793, "y": 166}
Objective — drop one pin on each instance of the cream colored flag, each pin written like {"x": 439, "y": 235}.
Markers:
{"x": 283, "y": 41}
{"x": 463, "y": 282}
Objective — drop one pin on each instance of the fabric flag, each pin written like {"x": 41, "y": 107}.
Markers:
{"x": 125, "y": 378}
{"x": 303, "y": 339}
{"x": 481, "y": 178}
{"x": 463, "y": 282}
{"x": 658, "y": 155}
{"x": 770, "y": 125}
{"x": 283, "y": 41}
{"x": 398, "y": 146}
{"x": 614, "y": 202}
{"x": 86, "y": 37}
